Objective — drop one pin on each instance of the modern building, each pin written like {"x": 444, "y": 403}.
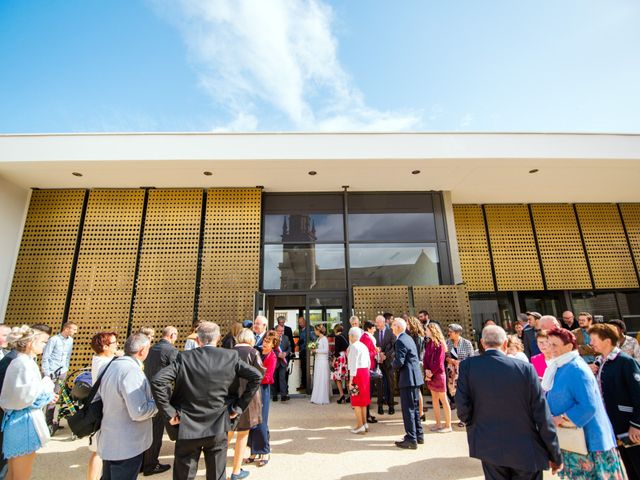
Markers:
{"x": 115, "y": 231}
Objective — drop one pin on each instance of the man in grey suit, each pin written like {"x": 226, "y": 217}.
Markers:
{"x": 198, "y": 393}
{"x": 386, "y": 342}
{"x": 128, "y": 406}
{"x": 509, "y": 425}
{"x": 281, "y": 377}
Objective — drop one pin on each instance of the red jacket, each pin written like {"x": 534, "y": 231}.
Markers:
{"x": 269, "y": 362}
{"x": 366, "y": 339}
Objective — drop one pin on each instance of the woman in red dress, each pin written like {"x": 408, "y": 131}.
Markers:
{"x": 434, "y": 373}
{"x": 359, "y": 364}
{"x": 369, "y": 341}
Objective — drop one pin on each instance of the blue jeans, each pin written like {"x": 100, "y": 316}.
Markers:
{"x": 259, "y": 435}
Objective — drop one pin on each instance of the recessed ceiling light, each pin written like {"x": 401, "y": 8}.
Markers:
{"x": 415, "y": 172}
{"x": 313, "y": 172}
{"x": 535, "y": 170}
{"x": 76, "y": 174}
{"x": 207, "y": 173}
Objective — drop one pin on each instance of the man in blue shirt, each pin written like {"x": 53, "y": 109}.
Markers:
{"x": 55, "y": 363}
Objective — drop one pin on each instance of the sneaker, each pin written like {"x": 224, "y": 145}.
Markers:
{"x": 240, "y": 475}
{"x": 445, "y": 430}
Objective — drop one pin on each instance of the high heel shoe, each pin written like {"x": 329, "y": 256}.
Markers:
{"x": 359, "y": 431}
{"x": 366, "y": 427}
{"x": 341, "y": 399}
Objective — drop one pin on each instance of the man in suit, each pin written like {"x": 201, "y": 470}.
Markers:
{"x": 385, "y": 340}
{"x": 281, "y": 377}
{"x": 259, "y": 329}
{"x": 409, "y": 382}
{"x": 203, "y": 401}
{"x": 160, "y": 355}
{"x": 509, "y": 425}
{"x": 529, "y": 335}
{"x": 128, "y": 406}
{"x": 287, "y": 330}
{"x": 302, "y": 349}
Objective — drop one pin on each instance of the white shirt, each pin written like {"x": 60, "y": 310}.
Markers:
{"x": 97, "y": 364}
{"x": 358, "y": 357}
{"x": 519, "y": 356}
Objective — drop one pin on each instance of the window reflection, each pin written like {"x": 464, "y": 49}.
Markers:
{"x": 297, "y": 228}
{"x": 394, "y": 264}
{"x": 392, "y": 227}
{"x": 304, "y": 267}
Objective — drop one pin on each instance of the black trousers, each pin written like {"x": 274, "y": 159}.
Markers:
{"x": 303, "y": 368}
{"x": 121, "y": 469}
{"x": 150, "y": 459}
{"x": 631, "y": 460}
{"x": 410, "y": 403}
{"x": 494, "y": 472}
{"x": 386, "y": 386}
{"x": 281, "y": 382}
{"x": 187, "y": 455}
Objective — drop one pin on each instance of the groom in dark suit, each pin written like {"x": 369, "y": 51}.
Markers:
{"x": 385, "y": 340}
{"x": 203, "y": 402}
{"x": 509, "y": 426}
{"x": 409, "y": 382}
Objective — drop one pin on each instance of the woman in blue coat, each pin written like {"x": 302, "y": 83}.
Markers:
{"x": 573, "y": 393}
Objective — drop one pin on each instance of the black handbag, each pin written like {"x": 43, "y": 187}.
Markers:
{"x": 87, "y": 419}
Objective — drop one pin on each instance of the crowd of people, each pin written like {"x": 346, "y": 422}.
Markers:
{"x": 546, "y": 396}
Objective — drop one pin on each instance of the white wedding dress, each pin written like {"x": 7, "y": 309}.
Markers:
{"x": 321, "y": 377}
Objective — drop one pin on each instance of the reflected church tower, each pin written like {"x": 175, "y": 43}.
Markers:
{"x": 298, "y": 269}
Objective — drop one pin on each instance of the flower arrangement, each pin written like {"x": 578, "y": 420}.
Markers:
{"x": 312, "y": 346}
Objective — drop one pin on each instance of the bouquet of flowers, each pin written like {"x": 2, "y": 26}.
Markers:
{"x": 312, "y": 346}
{"x": 354, "y": 390}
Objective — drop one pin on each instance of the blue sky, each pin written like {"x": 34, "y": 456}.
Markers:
{"x": 293, "y": 65}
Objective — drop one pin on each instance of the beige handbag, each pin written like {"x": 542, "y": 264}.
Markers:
{"x": 571, "y": 438}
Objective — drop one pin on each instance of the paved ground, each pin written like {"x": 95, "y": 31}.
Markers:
{"x": 311, "y": 442}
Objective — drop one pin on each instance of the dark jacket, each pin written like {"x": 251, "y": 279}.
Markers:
{"x": 160, "y": 355}
{"x": 530, "y": 342}
{"x": 252, "y": 416}
{"x": 407, "y": 363}
{"x": 228, "y": 341}
{"x": 386, "y": 342}
{"x": 202, "y": 395}
{"x": 289, "y": 334}
{"x": 620, "y": 383}
{"x": 508, "y": 420}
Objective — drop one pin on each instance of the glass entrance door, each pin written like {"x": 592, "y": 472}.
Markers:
{"x": 546, "y": 303}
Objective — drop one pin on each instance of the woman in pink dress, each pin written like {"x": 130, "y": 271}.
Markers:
{"x": 540, "y": 360}
{"x": 434, "y": 353}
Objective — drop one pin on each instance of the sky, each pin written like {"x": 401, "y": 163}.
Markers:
{"x": 319, "y": 65}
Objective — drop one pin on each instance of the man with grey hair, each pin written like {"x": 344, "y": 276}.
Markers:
{"x": 128, "y": 406}
{"x": 259, "y": 328}
{"x": 548, "y": 322}
{"x": 509, "y": 425}
{"x": 410, "y": 380}
{"x": 198, "y": 392}
{"x": 160, "y": 355}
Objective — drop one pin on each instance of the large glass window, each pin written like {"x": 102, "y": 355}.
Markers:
{"x": 304, "y": 267}
{"x": 394, "y": 264}
{"x": 391, "y": 227}
{"x": 303, "y": 228}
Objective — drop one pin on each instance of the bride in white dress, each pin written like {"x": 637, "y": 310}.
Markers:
{"x": 321, "y": 376}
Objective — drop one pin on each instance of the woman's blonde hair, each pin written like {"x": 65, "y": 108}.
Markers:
{"x": 514, "y": 342}
{"x": 246, "y": 336}
{"x": 436, "y": 335}
{"x": 21, "y": 337}
{"x": 415, "y": 327}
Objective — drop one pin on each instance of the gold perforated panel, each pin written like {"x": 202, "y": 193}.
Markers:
{"x": 473, "y": 248}
{"x": 606, "y": 245}
{"x": 368, "y": 302}
{"x": 561, "y": 251}
{"x": 103, "y": 285}
{"x": 513, "y": 248}
{"x": 445, "y": 303}
{"x": 631, "y": 218}
{"x": 43, "y": 268}
{"x": 231, "y": 255}
{"x": 169, "y": 261}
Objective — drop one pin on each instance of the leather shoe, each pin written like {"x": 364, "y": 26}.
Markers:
{"x": 285, "y": 398}
{"x": 391, "y": 410}
{"x": 159, "y": 468}
{"x": 421, "y": 441}
{"x": 372, "y": 420}
{"x": 380, "y": 410}
{"x": 407, "y": 445}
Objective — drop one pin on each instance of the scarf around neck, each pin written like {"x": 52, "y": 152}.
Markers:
{"x": 553, "y": 365}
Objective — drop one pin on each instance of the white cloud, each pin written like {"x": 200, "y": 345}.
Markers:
{"x": 281, "y": 53}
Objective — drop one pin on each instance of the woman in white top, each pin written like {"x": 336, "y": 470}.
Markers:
{"x": 359, "y": 363}
{"x": 515, "y": 348}
{"x": 24, "y": 394}
{"x": 105, "y": 344}
{"x": 321, "y": 374}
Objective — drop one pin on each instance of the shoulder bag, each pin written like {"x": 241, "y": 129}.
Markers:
{"x": 571, "y": 438}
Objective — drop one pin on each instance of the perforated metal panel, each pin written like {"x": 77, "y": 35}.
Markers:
{"x": 166, "y": 282}
{"x": 631, "y": 218}
{"x": 43, "y": 268}
{"x": 561, "y": 250}
{"x": 231, "y": 255}
{"x": 445, "y": 303}
{"x": 368, "y": 302}
{"x": 606, "y": 245}
{"x": 473, "y": 248}
{"x": 103, "y": 285}
{"x": 513, "y": 248}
